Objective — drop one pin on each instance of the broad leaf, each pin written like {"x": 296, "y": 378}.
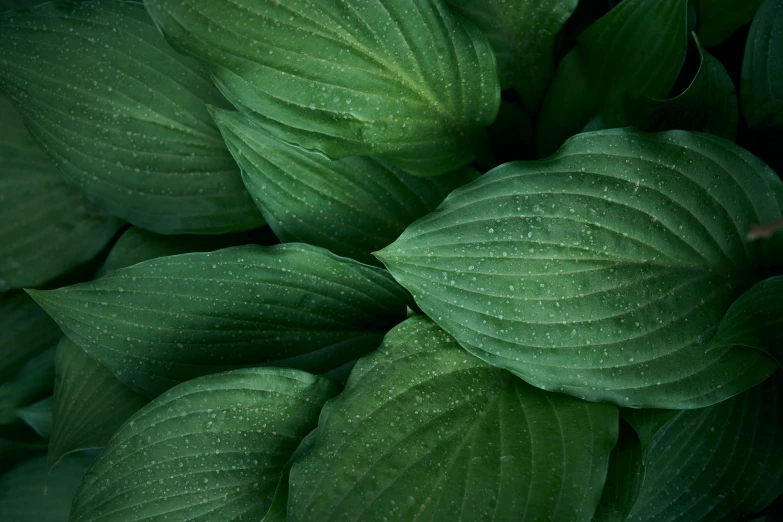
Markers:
{"x": 602, "y": 271}
{"x": 167, "y": 320}
{"x": 762, "y": 69}
{"x": 425, "y": 431}
{"x": 27, "y": 494}
{"x": 278, "y": 510}
{"x": 47, "y": 227}
{"x": 25, "y": 331}
{"x": 90, "y": 403}
{"x": 209, "y": 449}
{"x": 404, "y": 79}
{"x": 755, "y": 320}
{"x": 123, "y": 116}
{"x": 34, "y": 381}
{"x": 718, "y": 19}
{"x": 350, "y": 206}
{"x": 708, "y": 104}
{"x": 639, "y": 46}
{"x": 522, "y": 34}
{"x": 623, "y": 477}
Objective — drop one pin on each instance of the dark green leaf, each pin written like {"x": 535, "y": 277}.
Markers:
{"x": 22, "y": 497}
{"x": 647, "y": 423}
{"x": 623, "y": 478}
{"x": 762, "y": 69}
{"x": 90, "y": 403}
{"x": 278, "y": 510}
{"x": 350, "y": 206}
{"x": 34, "y": 381}
{"x": 427, "y": 432}
{"x": 47, "y": 227}
{"x": 12, "y": 452}
{"x": 404, "y": 79}
{"x": 167, "y": 320}
{"x": 124, "y": 116}
{"x": 602, "y": 271}
{"x": 522, "y": 34}
{"x": 38, "y": 416}
{"x": 639, "y": 46}
{"x": 210, "y": 449}
{"x": 718, "y": 19}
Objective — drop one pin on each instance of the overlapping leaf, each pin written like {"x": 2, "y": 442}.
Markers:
{"x": 33, "y": 382}
{"x": 425, "y": 431}
{"x": 123, "y": 116}
{"x": 26, "y": 331}
{"x": 234, "y": 433}
{"x": 170, "y": 319}
{"x": 405, "y": 79}
{"x": 761, "y": 88}
{"x": 718, "y": 19}
{"x": 602, "y": 271}
{"x": 350, "y": 206}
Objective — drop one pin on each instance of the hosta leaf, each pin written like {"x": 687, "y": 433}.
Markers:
{"x": 209, "y": 449}
{"x": 602, "y": 271}
{"x": 278, "y": 510}
{"x": 708, "y": 104}
{"x": 38, "y": 416}
{"x": 755, "y": 320}
{"x": 639, "y": 46}
{"x": 718, "y": 463}
{"x": 123, "y": 116}
{"x": 761, "y": 87}
{"x": 27, "y": 494}
{"x": 47, "y": 227}
{"x": 522, "y": 34}
{"x": 168, "y": 320}
{"x": 90, "y": 403}
{"x": 34, "y": 381}
{"x": 350, "y": 206}
{"x": 623, "y": 477}
{"x": 405, "y": 79}
{"x": 25, "y": 330}
{"x": 718, "y": 19}
{"x": 425, "y": 431}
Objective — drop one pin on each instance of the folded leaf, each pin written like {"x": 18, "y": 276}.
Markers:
{"x": 350, "y": 206}
{"x": 623, "y": 477}
{"x": 209, "y": 449}
{"x": 404, "y": 79}
{"x": 90, "y": 403}
{"x": 25, "y": 330}
{"x": 47, "y": 227}
{"x": 639, "y": 46}
{"x": 38, "y": 416}
{"x": 34, "y": 381}
{"x": 427, "y": 432}
{"x": 522, "y": 34}
{"x": 718, "y": 19}
{"x": 762, "y": 69}
{"x": 168, "y": 320}
{"x": 124, "y": 116}
{"x": 602, "y": 271}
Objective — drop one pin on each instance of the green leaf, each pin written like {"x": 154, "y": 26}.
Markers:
{"x": 708, "y": 104}
{"x": 90, "y": 403}
{"x": 623, "y": 478}
{"x": 647, "y": 423}
{"x": 12, "y": 452}
{"x": 27, "y": 494}
{"x": 425, "y": 431}
{"x": 762, "y": 69}
{"x": 718, "y": 463}
{"x": 34, "y": 381}
{"x": 47, "y": 227}
{"x": 38, "y": 416}
{"x": 209, "y": 449}
{"x": 25, "y": 331}
{"x": 639, "y": 46}
{"x": 124, "y": 116}
{"x": 168, "y": 320}
{"x": 718, "y": 19}
{"x": 403, "y": 79}
{"x": 602, "y": 271}
{"x": 755, "y": 320}
{"x": 350, "y": 206}
{"x": 278, "y": 510}
{"x": 522, "y": 34}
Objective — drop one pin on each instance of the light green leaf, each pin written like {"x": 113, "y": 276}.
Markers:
{"x": 718, "y": 19}
{"x": 25, "y": 331}
{"x": 22, "y": 497}
{"x": 47, "y": 227}
{"x": 755, "y": 320}
{"x": 209, "y": 449}
{"x": 38, "y": 416}
{"x": 761, "y": 87}
{"x": 350, "y": 206}
{"x": 522, "y": 34}
{"x": 602, "y": 271}
{"x": 708, "y": 104}
{"x": 90, "y": 403}
{"x": 167, "y": 320}
{"x": 403, "y": 79}
{"x": 639, "y": 46}
{"x": 427, "y": 432}
{"x": 123, "y": 116}
{"x": 34, "y": 381}
{"x": 718, "y": 463}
